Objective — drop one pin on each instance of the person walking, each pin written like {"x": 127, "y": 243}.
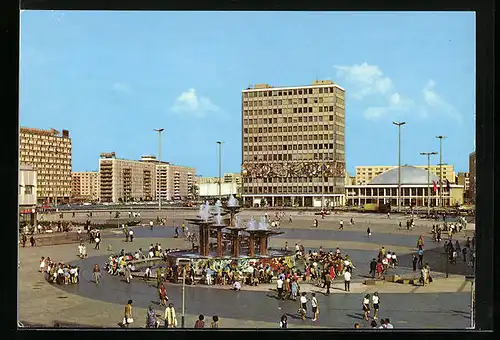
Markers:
{"x": 32, "y": 241}
{"x": 151, "y": 318}
{"x": 170, "y": 318}
{"x": 414, "y": 261}
{"x": 151, "y": 225}
{"x": 328, "y": 282}
{"x": 368, "y": 232}
{"x": 290, "y": 218}
{"x": 352, "y": 221}
{"x": 97, "y": 274}
{"x": 315, "y": 307}
{"x": 295, "y": 289}
{"x": 420, "y": 257}
{"x": 163, "y": 294}
{"x": 97, "y": 241}
{"x": 373, "y": 268}
{"x": 347, "y": 281}
{"x": 380, "y": 270}
{"x": 200, "y": 323}
{"x": 131, "y": 235}
{"x": 215, "y": 322}
{"x": 279, "y": 287}
{"x": 376, "y": 305}
{"x": 283, "y": 321}
{"x": 303, "y": 306}
{"x": 341, "y": 226}
{"x": 128, "y": 319}
{"x": 315, "y": 223}
{"x": 366, "y": 306}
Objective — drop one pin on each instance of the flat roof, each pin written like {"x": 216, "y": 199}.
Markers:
{"x": 293, "y": 87}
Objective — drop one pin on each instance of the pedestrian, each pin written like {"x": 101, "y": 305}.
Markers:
{"x": 388, "y": 324}
{"x": 170, "y": 318}
{"x": 290, "y": 218}
{"x": 420, "y": 257}
{"x": 200, "y": 323}
{"x": 315, "y": 223}
{"x": 382, "y": 324}
{"x": 380, "y": 269}
{"x": 279, "y": 287}
{"x": 366, "y": 306}
{"x": 368, "y": 232}
{"x": 315, "y": 307}
{"x": 394, "y": 260}
{"x": 151, "y": 318}
{"x": 328, "y": 282}
{"x": 215, "y": 322}
{"x": 303, "y": 306}
{"x": 347, "y": 281}
{"x": 97, "y": 242}
{"x": 376, "y": 305}
{"x": 97, "y": 273}
{"x": 341, "y": 226}
{"x": 420, "y": 242}
{"x": 388, "y": 215}
{"x": 464, "y": 254}
{"x": 400, "y": 225}
{"x": 32, "y": 241}
{"x": 373, "y": 324}
{"x": 373, "y": 268}
{"x": 131, "y": 235}
{"x": 357, "y": 325}
{"x": 352, "y": 221}
{"x": 283, "y": 321}
{"x": 127, "y": 318}
{"x": 176, "y": 232}
{"x": 151, "y": 225}
{"x": 295, "y": 289}
{"x": 414, "y": 261}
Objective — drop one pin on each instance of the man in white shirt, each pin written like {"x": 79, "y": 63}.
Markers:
{"x": 79, "y": 232}
{"x": 237, "y": 286}
{"x": 388, "y": 324}
{"x": 279, "y": 286}
{"x": 347, "y": 281}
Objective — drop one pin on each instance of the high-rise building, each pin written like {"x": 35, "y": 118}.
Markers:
{"x": 293, "y": 149}
{"x": 49, "y": 153}
{"x": 85, "y": 186}
{"x": 124, "y": 180}
{"x": 364, "y": 174}
{"x": 27, "y": 195}
{"x": 472, "y": 176}
{"x": 463, "y": 179}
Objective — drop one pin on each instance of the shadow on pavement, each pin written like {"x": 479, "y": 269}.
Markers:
{"x": 357, "y": 316}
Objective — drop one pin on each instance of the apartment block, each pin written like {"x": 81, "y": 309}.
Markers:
{"x": 293, "y": 151}
{"x": 49, "y": 153}
{"x": 147, "y": 179}
{"x": 85, "y": 186}
{"x": 364, "y": 174}
{"x": 228, "y": 177}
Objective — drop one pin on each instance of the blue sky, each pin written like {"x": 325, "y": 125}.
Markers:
{"x": 112, "y": 77}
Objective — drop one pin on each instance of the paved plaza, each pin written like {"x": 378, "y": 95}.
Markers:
{"x": 442, "y": 304}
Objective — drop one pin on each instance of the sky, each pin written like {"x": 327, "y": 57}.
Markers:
{"x": 110, "y": 78}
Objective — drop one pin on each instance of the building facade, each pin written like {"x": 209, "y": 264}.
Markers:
{"x": 416, "y": 191}
{"x": 463, "y": 179}
{"x": 124, "y": 180}
{"x": 85, "y": 186}
{"x": 293, "y": 145}
{"x": 49, "y": 153}
{"x": 27, "y": 195}
{"x": 364, "y": 174}
{"x": 472, "y": 177}
{"x": 211, "y": 190}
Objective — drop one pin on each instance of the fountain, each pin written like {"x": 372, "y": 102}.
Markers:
{"x": 230, "y": 230}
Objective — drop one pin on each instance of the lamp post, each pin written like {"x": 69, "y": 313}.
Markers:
{"x": 183, "y": 263}
{"x": 399, "y": 124}
{"x": 428, "y": 154}
{"x": 159, "y": 163}
{"x": 220, "y": 166}
{"x": 441, "y": 169}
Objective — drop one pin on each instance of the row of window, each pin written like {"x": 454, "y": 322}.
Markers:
{"x": 291, "y": 129}
{"x": 338, "y": 109}
{"x": 294, "y": 157}
{"x": 293, "y": 190}
{"x": 270, "y": 93}
{"x": 268, "y": 139}
{"x": 279, "y": 102}
{"x": 289, "y": 120}
{"x": 290, "y": 147}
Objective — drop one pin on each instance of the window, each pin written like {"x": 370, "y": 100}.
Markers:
{"x": 330, "y": 118}
{"x": 310, "y": 109}
{"x": 295, "y": 92}
{"x": 320, "y": 109}
{"x": 320, "y": 90}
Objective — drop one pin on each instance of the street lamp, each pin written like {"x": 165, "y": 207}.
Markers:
{"x": 220, "y": 165}
{"x": 159, "y": 163}
{"x": 399, "y": 124}
{"x": 441, "y": 169}
{"x": 428, "y": 154}
{"x": 183, "y": 263}
{"x": 471, "y": 279}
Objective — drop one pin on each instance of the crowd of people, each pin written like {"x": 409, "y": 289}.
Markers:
{"x": 58, "y": 272}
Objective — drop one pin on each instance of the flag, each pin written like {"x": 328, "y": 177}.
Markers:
{"x": 435, "y": 186}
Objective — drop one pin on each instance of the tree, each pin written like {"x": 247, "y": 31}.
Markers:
{"x": 194, "y": 192}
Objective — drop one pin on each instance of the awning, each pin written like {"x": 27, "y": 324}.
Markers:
{"x": 27, "y": 211}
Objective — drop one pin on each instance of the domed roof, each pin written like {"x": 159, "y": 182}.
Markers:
{"x": 409, "y": 175}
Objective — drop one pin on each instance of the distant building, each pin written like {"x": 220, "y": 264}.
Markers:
{"x": 383, "y": 189}
{"x": 124, "y": 180}
{"x": 463, "y": 179}
{"x": 472, "y": 177}
{"x": 27, "y": 195}
{"x": 49, "y": 152}
{"x": 211, "y": 190}
{"x": 85, "y": 186}
{"x": 364, "y": 174}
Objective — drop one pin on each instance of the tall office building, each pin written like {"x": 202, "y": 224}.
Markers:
{"x": 294, "y": 145}
{"x": 85, "y": 186}
{"x": 472, "y": 177}
{"x": 49, "y": 153}
{"x": 124, "y": 180}
{"x": 364, "y": 174}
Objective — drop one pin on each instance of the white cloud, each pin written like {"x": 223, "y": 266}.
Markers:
{"x": 189, "y": 103}
{"x": 365, "y": 80}
{"x": 436, "y": 103}
{"x": 122, "y": 87}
